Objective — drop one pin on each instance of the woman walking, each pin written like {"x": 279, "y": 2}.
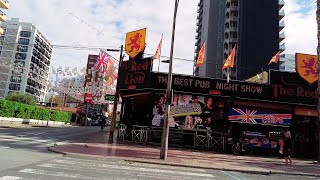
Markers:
{"x": 287, "y": 148}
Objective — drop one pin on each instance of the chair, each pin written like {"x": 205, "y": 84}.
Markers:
{"x": 139, "y": 133}
{"x": 216, "y": 141}
{"x": 201, "y": 140}
{"x": 122, "y": 131}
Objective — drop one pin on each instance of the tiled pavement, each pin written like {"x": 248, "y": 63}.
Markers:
{"x": 190, "y": 158}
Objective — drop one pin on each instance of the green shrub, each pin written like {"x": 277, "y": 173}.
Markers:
{"x": 18, "y": 110}
{"x": 61, "y": 116}
{"x": 7, "y": 108}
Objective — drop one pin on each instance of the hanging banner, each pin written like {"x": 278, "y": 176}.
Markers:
{"x": 185, "y": 110}
{"x": 259, "y": 117}
{"x": 135, "y": 42}
{"x": 307, "y": 67}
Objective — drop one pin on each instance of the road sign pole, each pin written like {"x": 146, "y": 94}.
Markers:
{"x": 115, "y": 102}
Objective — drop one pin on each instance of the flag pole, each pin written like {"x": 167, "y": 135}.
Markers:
{"x": 160, "y": 54}
{"x": 228, "y": 74}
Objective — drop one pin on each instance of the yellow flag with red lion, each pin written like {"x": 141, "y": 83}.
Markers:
{"x": 135, "y": 42}
{"x": 307, "y": 67}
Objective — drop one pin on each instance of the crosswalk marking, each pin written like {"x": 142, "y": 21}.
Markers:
{"x": 57, "y": 174}
{"x": 10, "y": 178}
{"x": 4, "y": 147}
{"x": 15, "y": 138}
{"x": 129, "y": 168}
{"x": 70, "y": 168}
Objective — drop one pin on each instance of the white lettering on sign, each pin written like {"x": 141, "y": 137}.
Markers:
{"x": 236, "y": 87}
{"x": 182, "y": 82}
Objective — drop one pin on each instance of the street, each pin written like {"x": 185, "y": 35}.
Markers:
{"x": 60, "y": 167}
{"x": 24, "y": 155}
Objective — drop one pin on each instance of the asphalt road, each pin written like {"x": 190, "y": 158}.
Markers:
{"x": 39, "y": 139}
{"x": 24, "y": 155}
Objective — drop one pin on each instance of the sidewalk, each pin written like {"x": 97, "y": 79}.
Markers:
{"x": 20, "y": 125}
{"x": 188, "y": 158}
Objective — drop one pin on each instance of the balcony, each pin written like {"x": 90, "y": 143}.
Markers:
{"x": 4, "y": 4}
{"x": 281, "y": 14}
{"x": 282, "y": 47}
{"x": 282, "y": 36}
{"x": 3, "y": 16}
{"x": 281, "y": 4}
{"x": 281, "y": 25}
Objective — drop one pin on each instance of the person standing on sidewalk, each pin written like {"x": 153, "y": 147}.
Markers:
{"x": 287, "y": 148}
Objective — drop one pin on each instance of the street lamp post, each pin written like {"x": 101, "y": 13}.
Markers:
{"x": 165, "y": 132}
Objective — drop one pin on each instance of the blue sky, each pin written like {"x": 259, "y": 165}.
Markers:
{"x": 64, "y": 23}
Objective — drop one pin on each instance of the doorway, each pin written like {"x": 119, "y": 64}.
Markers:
{"x": 303, "y": 136}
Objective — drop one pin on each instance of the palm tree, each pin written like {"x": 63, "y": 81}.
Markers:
{"x": 318, "y": 50}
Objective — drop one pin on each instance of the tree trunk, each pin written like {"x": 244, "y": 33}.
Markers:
{"x": 318, "y": 120}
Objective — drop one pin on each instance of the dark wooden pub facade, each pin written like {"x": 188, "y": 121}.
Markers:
{"x": 235, "y": 108}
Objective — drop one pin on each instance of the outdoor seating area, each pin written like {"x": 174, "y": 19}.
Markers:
{"x": 180, "y": 137}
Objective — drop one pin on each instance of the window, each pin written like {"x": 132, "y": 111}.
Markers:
{"x": 19, "y": 63}
{"x": 21, "y": 56}
{"x": 22, "y": 48}
{"x": 16, "y": 79}
{"x": 14, "y": 87}
{"x": 23, "y": 41}
{"x": 26, "y": 34}
{"x": 17, "y": 71}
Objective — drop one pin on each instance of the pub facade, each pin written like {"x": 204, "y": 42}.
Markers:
{"x": 211, "y": 113}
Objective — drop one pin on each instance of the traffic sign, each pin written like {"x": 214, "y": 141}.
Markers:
{"x": 110, "y": 97}
{"x": 88, "y": 98}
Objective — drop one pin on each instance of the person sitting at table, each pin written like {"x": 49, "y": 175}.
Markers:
{"x": 208, "y": 123}
{"x": 199, "y": 123}
{"x": 188, "y": 122}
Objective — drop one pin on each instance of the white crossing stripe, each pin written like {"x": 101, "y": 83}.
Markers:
{"x": 15, "y": 138}
{"x": 10, "y": 178}
{"x": 130, "y": 168}
{"x": 4, "y": 147}
{"x": 56, "y": 174}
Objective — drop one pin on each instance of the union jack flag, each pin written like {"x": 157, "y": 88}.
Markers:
{"x": 102, "y": 61}
{"x": 247, "y": 116}
{"x": 259, "y": 117}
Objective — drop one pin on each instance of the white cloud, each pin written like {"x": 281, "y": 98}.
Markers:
{"x": 301, "y": 26}
{"x": 113, "y": 18}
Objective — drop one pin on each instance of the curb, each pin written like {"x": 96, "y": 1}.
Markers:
{"x": 55, "y": 151}
{"x": 146, "y": 161}
{"x": 6, "y": 127}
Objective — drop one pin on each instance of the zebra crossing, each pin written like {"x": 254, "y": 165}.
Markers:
{"x": 25, "y": 142}
{"x": 91, "y": 169}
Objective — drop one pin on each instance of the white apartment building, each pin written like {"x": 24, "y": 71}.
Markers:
{"x": 25, "y": 56}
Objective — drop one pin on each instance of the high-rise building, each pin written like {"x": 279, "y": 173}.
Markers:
{"x": 210, "y": 29}
{"x": 287, "y": 62}
{"x": 24, "y": 59}
{"x": 255, "y": 27}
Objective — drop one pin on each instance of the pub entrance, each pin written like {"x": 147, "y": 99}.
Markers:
{"x": 304, "y": 137}
{"x": 136, "y": 109}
